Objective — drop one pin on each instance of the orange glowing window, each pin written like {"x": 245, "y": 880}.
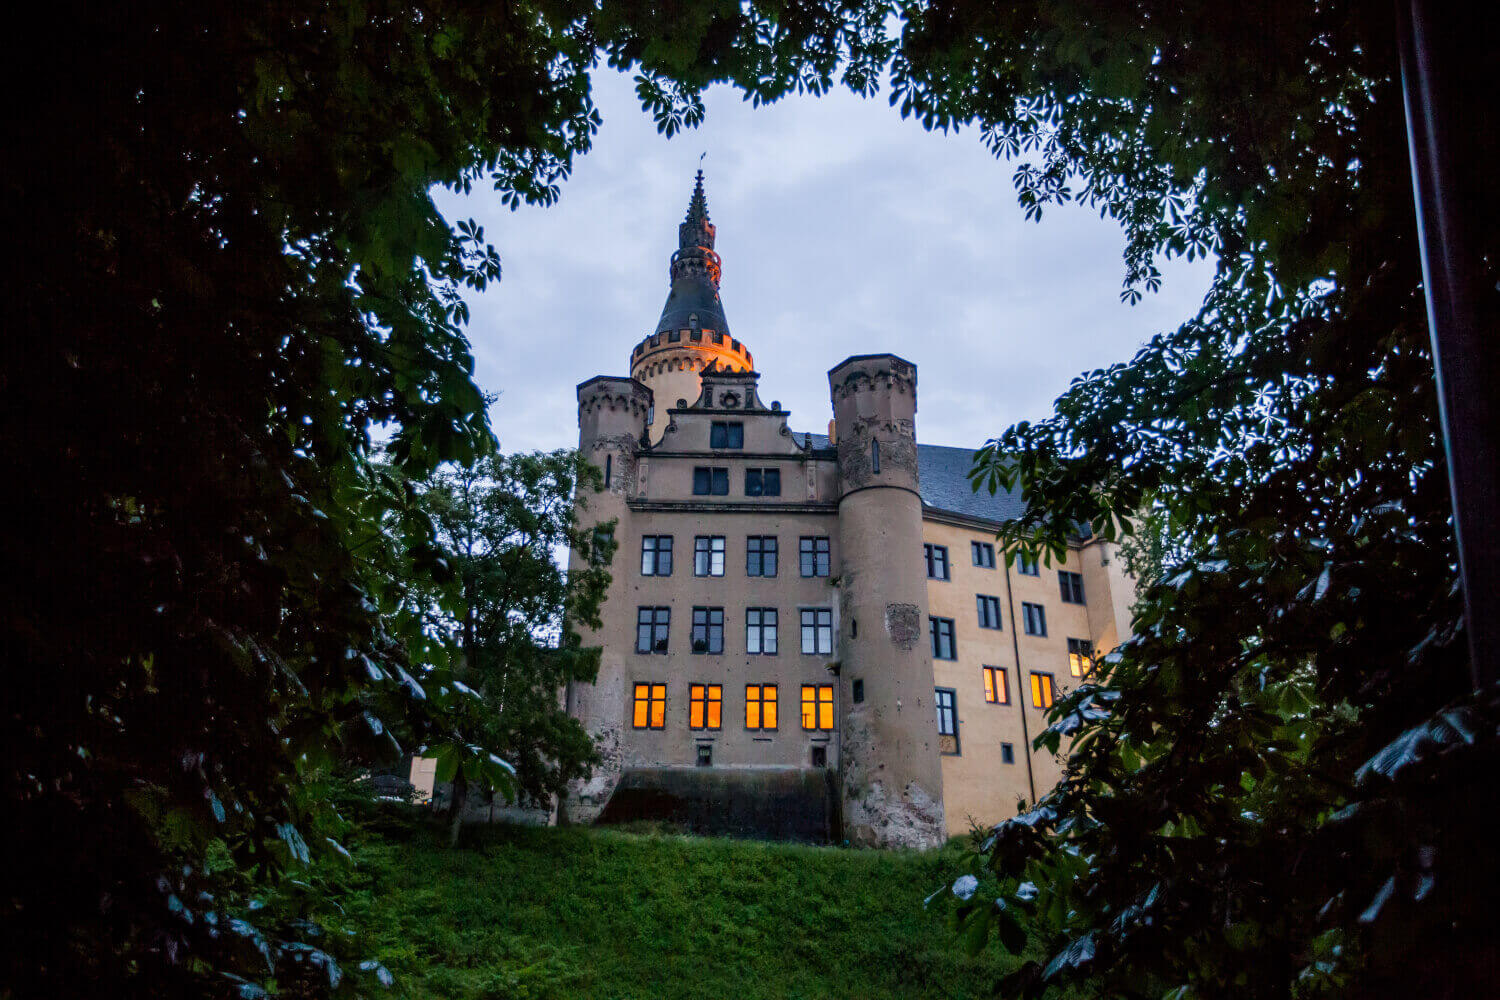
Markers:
{"x": 1041, "y": 690}
{"x": 996, "y": 685}
{"x": 817, "y": 706}
{"x": 705, "y": 706}
{"x": 760, "y": 706}
{"x": 650, "y": 706}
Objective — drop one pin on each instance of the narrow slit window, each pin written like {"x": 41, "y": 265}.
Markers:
{"x": 874, "y": 456}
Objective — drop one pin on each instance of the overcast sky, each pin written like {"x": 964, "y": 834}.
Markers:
{"x": 843, "y": 230}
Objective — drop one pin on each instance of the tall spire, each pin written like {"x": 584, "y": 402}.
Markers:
{"x": 693, "y": 302}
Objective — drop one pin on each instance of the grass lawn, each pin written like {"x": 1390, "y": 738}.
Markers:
{"x": 561, "y": 913}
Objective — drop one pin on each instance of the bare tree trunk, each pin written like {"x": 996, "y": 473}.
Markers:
{"x": 460, "y": 801}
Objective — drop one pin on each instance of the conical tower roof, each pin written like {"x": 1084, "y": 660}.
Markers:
{"x": 693, "y": 301}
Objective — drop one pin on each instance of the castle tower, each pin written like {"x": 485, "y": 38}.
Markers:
{"x": 891, "y": 773}
{"x": 612, "y": 415}
{"x": 692, "y": 332}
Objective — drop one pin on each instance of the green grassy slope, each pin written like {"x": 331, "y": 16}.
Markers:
{"x": 565, "y": 913}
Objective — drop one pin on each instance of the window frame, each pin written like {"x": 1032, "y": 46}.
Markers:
{"x": 708, "y": 624}
{"x": 1038, "y": 676}
{"x": 937, "y": 558}
{"x": 1070, "y": 586}
{"x": 1007, "y": 752}
{"x": 822, "y": 627}
{"x": 1028, "y": 566}
{"x": 702, "y": 701}
{"x": 757, "y": 545}
{"x": 815, "y": 551}
{"x": 656, "y": 551}
{"x": 1081, "y": 660}
{"x": 938, "y": 694}
{"x": 760, "y": 701}
{"x": 983, "y": 554}
{"x": 714, "y": 480}
{"x": 1033, "y": 613}
{"x": 996, "y": 681}
{"x": 729, "y": 433}
{"x": 764, "y": 476}
{"x": 935, "y": 630}
{"x": 760, "y": 629}
{"x": 822, "y": 705}
{"x": 659, "y": 626}
{"x": 655, "y": 704}
{"x": 990, "y": 602}
{"x": 704, "y": 545}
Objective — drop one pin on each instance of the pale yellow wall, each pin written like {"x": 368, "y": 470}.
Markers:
{"x": 977, "y": 786}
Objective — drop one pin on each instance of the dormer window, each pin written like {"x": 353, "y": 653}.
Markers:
{"x": 726, "y": 434}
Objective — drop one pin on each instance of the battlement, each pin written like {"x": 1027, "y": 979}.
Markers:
{"x": 608, "y": 392}
{"x": 688, "y": 350}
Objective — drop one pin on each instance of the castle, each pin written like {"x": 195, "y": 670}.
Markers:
{"x": 794, "y": 611}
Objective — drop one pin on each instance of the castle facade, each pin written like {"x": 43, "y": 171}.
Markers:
{"x": 793, "y": 610}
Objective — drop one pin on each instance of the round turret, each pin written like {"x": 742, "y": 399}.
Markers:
{"x": 892, "y": 777}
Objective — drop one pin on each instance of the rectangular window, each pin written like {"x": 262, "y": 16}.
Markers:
{"x": 1080, "y": 657}
{"x": 983, "y": 553}
{"x": 708, "y": 630}
{"x": 937, "y": 561}
{"x": 817, "y": 630}
{"x": 874, "y": 456}
{"x": 651, "y": 629}
{"x": 996, "y": 685}
{"x": 1041, "y": 690}
{"x": 708, "y": 555}
{"x": 1007, "y": 754}
{"x": 656, "y": 555}
{"x": 819, "y": 756}
{"x": 941, "y": 630}
{"x": 1026, "y": 566}
{"x": 609, "y": 469}
{"x": 726, "y": 434}
{"x": 760, "y": 706}
{"x": 1034, "y": 618}
{"x": 762, "y": 482}
{"x": 705, "y": 706}
{"x": 760, "y": 555}
{"x": 857, "y": 689}
{"x": 649, "y": 710}
{"x": 946, "y": 700}
{"x": 1071, "y": 585}
{"x": 710, "y": 481}
{"x": 760, "y": 631}
{"x": 814, "y": 553}
{"x": 989, "y": 611}
{"x": 705, "y": 755}
{"x": 817, "y": 706}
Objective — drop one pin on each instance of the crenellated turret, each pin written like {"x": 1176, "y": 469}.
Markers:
{"x": 891, "y": 774}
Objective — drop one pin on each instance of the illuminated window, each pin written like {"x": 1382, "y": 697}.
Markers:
{"x": 989, "y": 611}
{"x": 817, "y": 630}
{"x": 650, "y": 710}
{"x": 983, "y": 553}
{"x": 1026, "y": 566}
{"x": 946, "y": 700}
{"x": 937, "y": 561}
{"x": 708, "y": 481}
{"x": 760, "y": 555}
{"x": 762, "y": 482}
{"x": 815, "y": 556}
{"x": 726, "y": 434}
{"x": 651, "y": 629}
{"x": 705, "y": 706}
{"x": 1041, "y": 690}
{"x": 1071, "y": 585}
{"x": 941, "y": 632}
{"x": 656, "y": 555}
{"x": 760, "y": 706}
{"x": 996, "y": 685}
{"x": 817, "y": 706}
{"x": 760, "y": 631}
{"x": 1080, "y": 657}
{"x": 708, "y": 555}
{"x": 708, "y": 630}
{"x": 1034, "y": 618}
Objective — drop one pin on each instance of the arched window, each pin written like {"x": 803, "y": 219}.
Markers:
{"x": 874, "y": 456}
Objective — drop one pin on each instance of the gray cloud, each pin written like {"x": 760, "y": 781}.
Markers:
{"x": 844, "y": 230}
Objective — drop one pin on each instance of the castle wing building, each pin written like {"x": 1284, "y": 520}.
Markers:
{"x": 812, "y": 635}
